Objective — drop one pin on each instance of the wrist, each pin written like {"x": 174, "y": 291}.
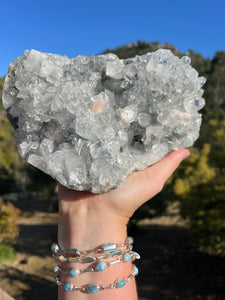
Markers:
{"x": 85, "y": 232}
{"x": 85, "y": 223}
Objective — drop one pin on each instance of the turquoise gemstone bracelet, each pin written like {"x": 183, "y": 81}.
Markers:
{"x": 94, "y": 288}
{"x": 100, "y": 266}
{"x": 74, "y": 253}
{"x": 121, "y": 252}
{"x": 90, "y": 259}
{"x": 102, "y": 252}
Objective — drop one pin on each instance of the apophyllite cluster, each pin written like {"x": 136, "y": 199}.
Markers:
{"x": 91, "y": 121}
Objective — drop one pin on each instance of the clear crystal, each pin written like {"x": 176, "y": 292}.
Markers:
{"x": 91, "y": 121}
{"x": 128, "y": 114}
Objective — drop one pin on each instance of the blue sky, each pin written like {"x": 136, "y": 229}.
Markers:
{"x": 73, "y": 27}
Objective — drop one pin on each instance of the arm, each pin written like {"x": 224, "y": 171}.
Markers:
{"x": 87, "y": 220}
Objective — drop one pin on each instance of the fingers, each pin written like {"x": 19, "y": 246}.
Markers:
{"x": 139, "y": 188}
{"x": 146, "y": 184}
{"x": 161, "y": 171}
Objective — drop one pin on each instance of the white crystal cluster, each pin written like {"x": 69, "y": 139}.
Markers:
{"x": 91, "y": 121}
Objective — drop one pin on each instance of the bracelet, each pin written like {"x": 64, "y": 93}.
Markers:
{"x": 90, "y": 259}
{"x": 76, "y": 255}
{"x": 104, "y": 248}
{"x": 100, "y": 266}
{"x": 121, "y": 252}
{"x": 94, "y": 288}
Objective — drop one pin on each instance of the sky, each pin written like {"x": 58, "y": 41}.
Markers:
{"x": 72, "y": 28}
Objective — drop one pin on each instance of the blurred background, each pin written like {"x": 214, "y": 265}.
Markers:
{"x": 181, "y": 232}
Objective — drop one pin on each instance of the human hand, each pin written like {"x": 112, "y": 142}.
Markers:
{"x": 139, "y": 188}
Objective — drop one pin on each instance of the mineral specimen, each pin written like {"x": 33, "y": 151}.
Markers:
{"x": 91, "y": 121}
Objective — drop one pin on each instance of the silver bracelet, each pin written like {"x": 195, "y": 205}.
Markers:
{"x": 94, "y": 288}
{"x": 104, "y": 248}
{"x": 100, "y": 266}
{"x": 90, "y": 259}
{"x": 102, "y": 252}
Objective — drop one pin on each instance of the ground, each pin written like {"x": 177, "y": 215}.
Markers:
{"x": 170, "y": 268}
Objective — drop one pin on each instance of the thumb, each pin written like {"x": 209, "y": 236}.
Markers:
{"x": 161, "y": 171}
{"x": 151, "y": 181}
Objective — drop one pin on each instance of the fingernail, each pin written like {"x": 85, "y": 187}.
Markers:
{"x": 187, "y": 156}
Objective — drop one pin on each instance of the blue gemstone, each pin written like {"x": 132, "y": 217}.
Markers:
{"x": 67, "y": 287}
{"x": 92, "y": 289}
{"x": 108, "y": 247}
{"x": 73, "y": 273}
{"x": 120, "y": 283}
{"x": 136, "y": 270}
{"x": 127, "y": 257}
{"x": 100, "y": 266}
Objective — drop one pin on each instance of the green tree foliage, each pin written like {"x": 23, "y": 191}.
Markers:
{"x": 7, "y": 145}
{"x": 204, "y": 206}
{"x": 200, "y": 185}
{"x": 9, "y": 229}
{"x": 1, "y": 87}
{"x": 8, "y": 153}
{"x": 140, "y": 48}
{"x": 6, "y": 252}
{"x": 215, "y": 87}
{"x": 199, "y": 62}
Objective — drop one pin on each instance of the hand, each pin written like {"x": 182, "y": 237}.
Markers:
{"x": 139, "y": 188}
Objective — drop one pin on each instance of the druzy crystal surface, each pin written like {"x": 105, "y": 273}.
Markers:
{"x": 91, "y": 121}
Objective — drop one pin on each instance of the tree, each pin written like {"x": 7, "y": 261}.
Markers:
{"x": 1, "y": 88}
{"x": 215, "y": 87}
{"x": 200, "y": 186}
{"x": 140, "y": 48}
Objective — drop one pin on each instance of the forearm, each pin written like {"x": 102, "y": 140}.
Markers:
{"x": 87, "y": 221}
{"x": 80, "y": 226}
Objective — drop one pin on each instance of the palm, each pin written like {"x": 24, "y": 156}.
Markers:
{"x": 140, "y": 187}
